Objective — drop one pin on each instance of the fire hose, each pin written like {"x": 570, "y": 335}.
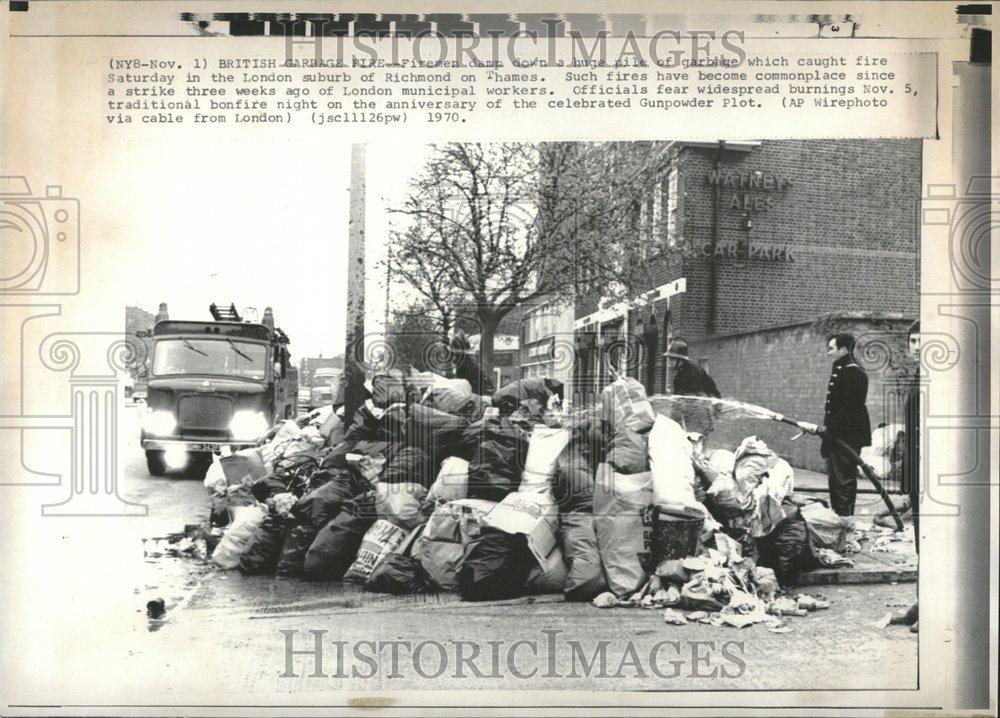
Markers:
{"x": 842, "y": 446}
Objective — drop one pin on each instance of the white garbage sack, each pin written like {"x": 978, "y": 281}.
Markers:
{"x": 544, "y": 447}
{"x": 452, "y": 481}
{"x": 215, "y": 478}
{"x": 624, "y": 404}
{"x": 441, "y": 547}
{"x": 238, "y": 537}
{"x": 671, "y": 467}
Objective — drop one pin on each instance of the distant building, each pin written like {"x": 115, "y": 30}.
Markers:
{"x": 505, "y": 356}
{"x": 309, "y": 365}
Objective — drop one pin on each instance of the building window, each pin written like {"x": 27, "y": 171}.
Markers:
{"x": 670, "y": 188}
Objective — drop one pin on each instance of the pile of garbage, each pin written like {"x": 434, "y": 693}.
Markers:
{"x": 504, "y": 496}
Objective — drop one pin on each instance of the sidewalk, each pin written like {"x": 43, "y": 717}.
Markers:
{"x": 870, "y": 566}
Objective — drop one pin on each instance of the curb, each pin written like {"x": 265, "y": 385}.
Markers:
{"x": 853, "y": 576}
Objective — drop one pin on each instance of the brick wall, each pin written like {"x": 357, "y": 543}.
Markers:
{"x": 786, "y": 369}
{"x": 849, "y": 212}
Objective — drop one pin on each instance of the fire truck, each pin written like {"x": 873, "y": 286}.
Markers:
{"x": 214, "y": 383}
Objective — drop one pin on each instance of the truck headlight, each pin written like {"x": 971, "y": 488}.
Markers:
{"x": 159, "y": 423}
{"x": 248, "y": 425}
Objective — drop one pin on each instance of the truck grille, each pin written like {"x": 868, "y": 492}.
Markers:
{"x": 204, "y": 412}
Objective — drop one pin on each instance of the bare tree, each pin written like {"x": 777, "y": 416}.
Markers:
{"x": 491, "y": 226}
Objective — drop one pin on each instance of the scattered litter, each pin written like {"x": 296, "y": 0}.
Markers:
{"x": 156, "y": 608}
{"x": 674, "y": 617}
{"x": 606, "y": 600}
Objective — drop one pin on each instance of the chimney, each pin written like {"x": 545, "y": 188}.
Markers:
{"x": 268, "y": 320}
{"x": 161, "y": 315}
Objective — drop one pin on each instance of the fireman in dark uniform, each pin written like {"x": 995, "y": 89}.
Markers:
{"x": 846, "y": 418}
{"x": 689, "y": 379}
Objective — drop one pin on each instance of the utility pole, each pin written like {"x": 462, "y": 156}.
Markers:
{"x": 354, "y": 372}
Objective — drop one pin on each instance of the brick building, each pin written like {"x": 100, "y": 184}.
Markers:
{"x": 759, "y": 240}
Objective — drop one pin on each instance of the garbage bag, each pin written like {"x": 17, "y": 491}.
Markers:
{"x": 333, "y": 429}
{"x": 400, "y": 575}
{"x": 752, "y": 461}
{"x": 584, "y": 575}
{"x": 408, "y": 465}
{"x": 628, "y": 451}
{"x": 265, "y": 550}
{"x": 452, "y": 396}
{"x": 436, "y": 432}
{"x": 545, "y": 446}
{"x": 382, "y": 538}
{"x": 622, "y": 523}
{"x": 827, "y": 529}
{"x": 265, "y": 488}
{"x": 510, "y": 397}
{"x": 320, "y": 505}
{"x": 625, "y": 405}
{"x": 671, "y": 467}
{"x": 400, "y": 504}
{"x": 388, "y": 388}
{"x": 441, "y": 547}
{"x": 336, "y": 545}
{"x": 498, "y": 456}
{"x": 293, "y": 551}
{"x": 238, "y": 537}
{"x": 452, "y": 481}
{"x": 549, "y": 576}
{"x": 574, "y": 482}
{"x": 495, "y": 566}
{"x": 786, "y": 549}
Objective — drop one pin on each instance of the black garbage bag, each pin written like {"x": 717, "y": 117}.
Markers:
{"x": 336, "y": 545}
{"x": 499, "y": 450}
{"x": 293, "y": 551}
{"x": 399, "y": 574}
{"x": 573, "y": 488}
{"x": 436, "y": 432}
{"x": 319, "y": 506}
{"x": 409, "y": 465}
{"x": 365, "y": 424}
{"x": 585, "y": 577}
{"x": 509, "y": 397}
{"x": 265, "y": 488}
{"x": 495, "y": 566}
{"x": 628, "y": 451}
{"x": 786, "y": 549}
{"x": 263, "y": 555}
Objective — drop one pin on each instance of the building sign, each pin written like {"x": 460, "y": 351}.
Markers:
{"x": 748, "y": 191}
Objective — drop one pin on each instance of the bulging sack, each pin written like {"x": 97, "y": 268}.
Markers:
{"x": 625, "y": 404}
{"x": 671, "y": 467}
{"x": 238, "y": 537}
{"x": 381, "y": 539}
{"x": 584, "y": 576}
{"x": 623, "y": 524}
{"x": 400, "y": 504}
{"x": 265, "y": 550}
{"x": 452, "y": 481}
{"x": 336, "y": 545}
{"x": 441, "y": 547}
{"x": 544, "y": 447}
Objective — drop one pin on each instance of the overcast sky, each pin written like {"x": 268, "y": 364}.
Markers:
{"x": 262, "y": 224}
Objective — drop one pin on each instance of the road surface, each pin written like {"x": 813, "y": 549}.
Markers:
{"x": 222, "y": 629}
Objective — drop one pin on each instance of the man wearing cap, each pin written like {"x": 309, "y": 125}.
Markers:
{"x": 845, "y": 417}
{"x": 689, "y": 379}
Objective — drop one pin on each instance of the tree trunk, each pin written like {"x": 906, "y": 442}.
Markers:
{"x": 488, "y": 326}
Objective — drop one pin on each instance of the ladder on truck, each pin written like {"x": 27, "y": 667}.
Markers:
{"x": 224, "y": 314}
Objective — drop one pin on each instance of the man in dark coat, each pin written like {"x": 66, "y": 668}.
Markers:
{"x": 466, "y": 367}
{"x": 846, "y": 418}
{"x": 689, "y": 379}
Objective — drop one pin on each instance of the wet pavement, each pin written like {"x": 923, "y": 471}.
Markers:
{"x": 223, "y": 637}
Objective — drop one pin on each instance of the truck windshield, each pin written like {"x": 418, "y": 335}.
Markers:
{"x": 220, "y": 357}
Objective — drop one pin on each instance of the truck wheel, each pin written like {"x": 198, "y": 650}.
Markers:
{"x": 155, "y": 462}
{"x": 198, "y": 464}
